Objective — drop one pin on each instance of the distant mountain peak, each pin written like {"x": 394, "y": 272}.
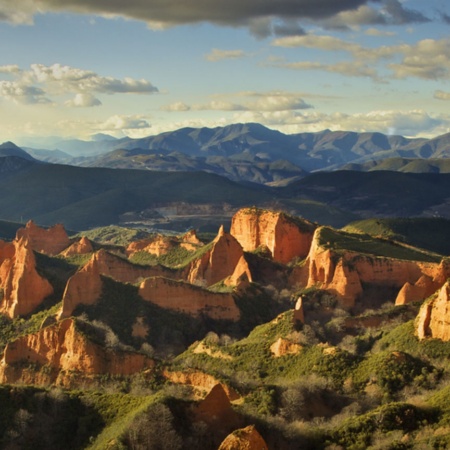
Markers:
{"x": 8, "y": 148}
{"x": 102, "y": 137}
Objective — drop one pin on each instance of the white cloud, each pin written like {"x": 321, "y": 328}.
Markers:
{"x": 118, "y": 122}
{"x": 218, "y": 55}
{"x": 19, "y": 93}
{"x": 83, "y": 100}
{"x": 176, "y": 107}
{"x": 427, "y": 59}
{"x": 441, "y": 95}
{"x": 265, "y": 101}
{"x": 219, "y": 105}
{"x": 10, "y": 68}
{"x": 407, "y": 123}
{"x": 42, "y": 82}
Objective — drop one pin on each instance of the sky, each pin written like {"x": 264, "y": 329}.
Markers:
{"x": 75, "y": 68}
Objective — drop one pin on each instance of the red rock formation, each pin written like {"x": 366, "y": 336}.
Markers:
{"x": 189, "y": 299}
{"x": 50, "y": 241}
{"x": 423, "y": 288}
{"x": 199, "y": 380}
{"x": 85, "y": 287}
{"x": 122, "y": 270}
{"x": 299, "y": 313}
{"x": 190, "y": 241}
{"x": 216, "y": 410}
{"x": 433, "y": 319}
{"x": 81, "y": 247}
{"x": 219, "y": 262}
{"x": 246, "y": 438}
{"x": 283, "y": 347}
{"x": 62, "y": 349}
{"x": 285, "y": 237}
{"x": 23, "y": 288}
{"x": 161, "y": 245}
{"x": 344, "y": 273}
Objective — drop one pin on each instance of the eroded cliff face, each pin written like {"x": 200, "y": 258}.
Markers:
{"x": 80, "y": 247}
{"x": 246, "y": 438}
{"x": 220, "y": 262}
{"x": 189, "y": 299}
{"x": 61, "y": 349}
{"x": 23, "y": 288}
{"x": 50, "y": 241}
{"x": 285, "y": 237}
{"x": 433, "y": 320}
{"x": 84, "y": 287}
{"x": 123, "y": 271}
{"x": 344, "y": 273}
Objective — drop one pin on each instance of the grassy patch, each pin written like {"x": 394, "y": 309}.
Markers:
{"x": 340, "y": 241}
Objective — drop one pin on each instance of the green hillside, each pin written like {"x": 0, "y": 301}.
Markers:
{"x": 428, "y": 233}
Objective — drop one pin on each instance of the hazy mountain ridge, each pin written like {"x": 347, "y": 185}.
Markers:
{"x": 324, "y": 150}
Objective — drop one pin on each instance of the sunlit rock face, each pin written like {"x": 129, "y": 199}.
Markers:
{"x": 23, "y": 288}
{"x": 433, "y": 320}
{"x": 62, "y": 349}
{"x": 283, "y": 236}
{"x": 189, "y": 299}
{"x": 50, "y": 241}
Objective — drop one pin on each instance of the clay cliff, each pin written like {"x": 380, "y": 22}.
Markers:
{"x": 50, "y": 241}
{"x": 285, "y": 237}
{"x": 84, "y": 287}
{"x": 344, "y": 273}
{"x": 62, "y": 350}
{"x": 224, "y": 259}
{"x": 23, "y": 288}
{"x": 433, "y": 320}
{"x": 122, "y": 270}
{"x": 189, "y": 299}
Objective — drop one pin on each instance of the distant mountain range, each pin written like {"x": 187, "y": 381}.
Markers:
{"x": 251, "y": 152}
{"x": 198, "y": 177}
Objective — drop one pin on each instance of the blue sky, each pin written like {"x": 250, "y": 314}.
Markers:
{"x": 141, "y": 67}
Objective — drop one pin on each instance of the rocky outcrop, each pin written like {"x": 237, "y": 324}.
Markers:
{"x": 219, "y": 262}
{"x": 189, "y": 299}
{"x": 85, "y": 287}
{"x": 23, "y": 288}
{"x": 50, "y": 241}
{"x": 433, "y": 320}
{"x": 62, "y": 349}
{"x": 299, "y": 313}
{"x": 344, "y": 273}
{"x": 246, "y": 438}
{"x": 80, "y": 247}
{"x": 199, "y": 380}
{"x": 284, "y": 236}
{"x": 160, "y": 245}
{"x": 420, "y": 290}
{"x": 122, "y": 270}
{"x": 216, "y": 411}
{"x": 283, "y": 347}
